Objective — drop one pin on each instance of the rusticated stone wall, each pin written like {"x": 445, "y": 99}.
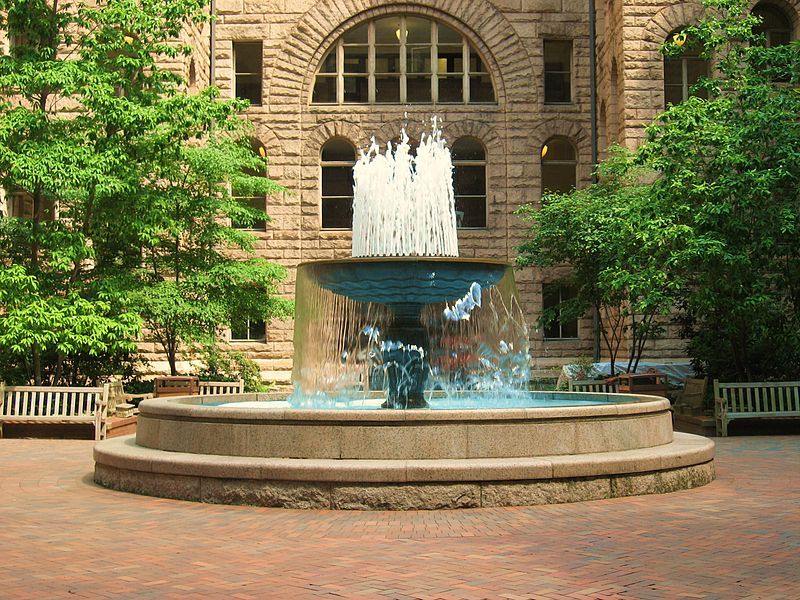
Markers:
{"x": 509, "y": 34}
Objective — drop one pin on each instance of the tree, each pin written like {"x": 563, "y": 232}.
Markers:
{"x": 730, "y": 169}
{"x": 619, "y": 247}
{"x": 123, "y": 172}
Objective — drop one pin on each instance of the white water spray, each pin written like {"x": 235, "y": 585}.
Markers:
{"x": 404, "y": 205}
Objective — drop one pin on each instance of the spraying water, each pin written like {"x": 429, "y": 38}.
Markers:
{"x": 404, "y": 205}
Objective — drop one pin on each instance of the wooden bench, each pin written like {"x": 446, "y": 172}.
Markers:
{"x": 62, "y": 405}
{"x": 592, "y": 385}
{"x": 221, "y": 387}
{"x": 755, "y": 400}
{"x": 690, "y": 399}
{"x": 176, "y": 386}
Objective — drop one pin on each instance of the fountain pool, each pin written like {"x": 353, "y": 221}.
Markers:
{"x": 410, "y": 372}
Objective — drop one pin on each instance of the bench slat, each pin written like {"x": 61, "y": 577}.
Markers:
{"x": 40, "y": 404}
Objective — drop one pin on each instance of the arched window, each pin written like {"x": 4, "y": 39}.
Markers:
{"x": 559, "y": 166}
{"x": 469, "y": 182}
{"x": 775, "y": 25}
{"x": 338, "y": 159}
{"x": 402, "y": 59}
{"x": 256, "y": 202}
{"x": 682, "y": 72}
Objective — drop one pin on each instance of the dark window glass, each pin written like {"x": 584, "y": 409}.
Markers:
{"x": 553, "y": 295}
{"x": 683, "y": 72}
{"x": 249, "y": 330}
{"x": 557, "y": 71}
{"x": 559, "y": 166}
{"x": 338, "y": 158}
{"x": 256, "y": 202}
{"x": 775, "y": 26}
{"x": 248, "y": 71}
{"x": 469, "y": 182}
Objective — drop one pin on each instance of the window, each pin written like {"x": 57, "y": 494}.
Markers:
{"x": 247, "y": 71}
{"x": 249, "y": 331}
{"x": 402, "y": 59}
{"x": 338, "y": 159}
{"x": 553, "y": 297}
{"x": 775, "y": 26}
{"x": 20, "y": 205}
{"x": 258, "y": 203}
{"x": 682, "y": 72}
{"x": 557, "y": 71}
{"x": 469, "y": 182}
{"x": 559, "y": 166}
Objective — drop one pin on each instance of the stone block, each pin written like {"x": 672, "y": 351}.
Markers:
{"x": 405, "y": 497}
{"x": 529, "y": 493}
{"x": 663, "y": 481}
{"x": 254, "y": 492}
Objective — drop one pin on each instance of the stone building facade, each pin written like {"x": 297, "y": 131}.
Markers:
{"x": 325, "y": 75}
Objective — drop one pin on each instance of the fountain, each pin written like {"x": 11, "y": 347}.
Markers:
{"x": 410, "y": 386}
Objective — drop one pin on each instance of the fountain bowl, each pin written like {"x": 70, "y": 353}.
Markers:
{"x": 594, "y": 447}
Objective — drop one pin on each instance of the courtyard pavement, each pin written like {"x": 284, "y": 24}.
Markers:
{"x": 61, "y": 536}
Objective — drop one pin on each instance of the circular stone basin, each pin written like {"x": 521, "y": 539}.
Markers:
{"x": 594, "y": 446}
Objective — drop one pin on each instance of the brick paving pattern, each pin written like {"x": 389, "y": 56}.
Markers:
{"x": 739, "y": 537}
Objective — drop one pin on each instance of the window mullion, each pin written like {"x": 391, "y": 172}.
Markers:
{"x": 340, "y": 72}
{"x": 465, "y": 68}
{"x": 371, "y": 61}
{"x": 434, "y": 62}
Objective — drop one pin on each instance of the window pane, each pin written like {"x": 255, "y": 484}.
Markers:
{"x": 337, "y": 181}
{"x": 481, "y": 89}
{"x": 338, "y": 149}
{"x": 558, "y": 177}
{"x": 239, "y": 331}
{"x": 673, "y": 94}
{"x": 695, "y": 69}
{"x": 448, "y": 36}
{"x": 418, "y": 59}
{"x": 387, "y": 59}
{"x": 329, "y": 62}
{"x": 470, "y": 211}
{"x": 467, "y": 148}
{"x": 559, "y": 149}
{"x": 356, "y": 89}
{"x": 247, "y": 57}
{"x": 451, "y": 89}
{"x": 387, "y": 31}
{"x": 324, "y": 89}
{"x": 357, "y": 35}
{"x": 419, "y": 31}
{"x": 557, "y": 88}
{"x": 469, "y": 180}
{"x": 248, "y": 87}
{"x": 451, "y": 59}
{"x": 355, "y": 59}
{"x": 337, "y": 213}
{"x": 387, "y": 89}
{"x": 258, "y": 203}
{"x": 418, "y": 89}
{"x": 553, "y": 295}
{"x": 475, "y": 63}
{"x": 557, "y": 71}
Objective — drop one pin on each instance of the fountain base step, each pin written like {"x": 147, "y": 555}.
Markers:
{"x": 684, "y": 463}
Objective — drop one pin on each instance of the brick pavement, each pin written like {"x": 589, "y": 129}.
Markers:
{"x": 739, "y": 537}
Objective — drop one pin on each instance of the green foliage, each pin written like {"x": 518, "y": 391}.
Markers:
{"x": 230, "y": 365}
{"x": 713, "y": 233}
{"x": 140, "y": 174}
{"x": 619, "y": 245}
{"x": 731, "y": 169}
